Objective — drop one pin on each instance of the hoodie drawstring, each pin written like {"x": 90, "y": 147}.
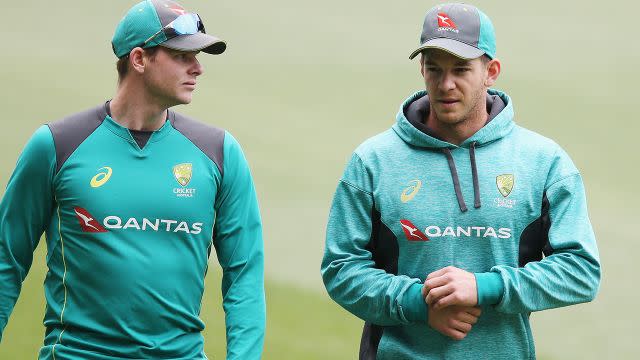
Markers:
{"x": 456, "y": 180}
{"x": 474, "y": 173}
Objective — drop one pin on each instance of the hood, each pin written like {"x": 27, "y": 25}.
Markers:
{"x": 410, "y": 128}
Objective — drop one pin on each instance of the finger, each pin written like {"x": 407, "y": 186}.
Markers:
{"x": 439, "y": 272}
{"x": 444, "y": 301}
{"x": 474, "y": 310}
{"x": 437, "y": 293}
{"x": 425, "y": 289}
{"x": 460, "y": 325}
{"x": 455, "y": 334}
{"x": 467, "y": 318}
{"x": 435, "y": 282}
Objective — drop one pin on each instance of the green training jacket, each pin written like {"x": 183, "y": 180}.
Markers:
{"x": 507, "y": 205}
{"x": 129, "y": 231}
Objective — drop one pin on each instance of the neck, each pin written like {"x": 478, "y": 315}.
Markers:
{"x": 135, "y": 111}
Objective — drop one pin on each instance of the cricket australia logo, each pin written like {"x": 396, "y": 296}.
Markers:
{"x": 182, "y": 173}
{"x": 505, "y": 183}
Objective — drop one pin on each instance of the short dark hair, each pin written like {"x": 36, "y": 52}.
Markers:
{"x": 123, "y": 63}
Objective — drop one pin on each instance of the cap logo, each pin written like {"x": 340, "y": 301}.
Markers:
{"x": 177, "y": 9}
{"x": 445, "y": 21}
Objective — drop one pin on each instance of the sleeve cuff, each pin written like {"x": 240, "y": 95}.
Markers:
{"x": 490, "y": 288}
{"x": 413, "y": 306}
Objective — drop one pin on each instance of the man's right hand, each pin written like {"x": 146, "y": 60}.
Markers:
{"x": 454, "y": 321}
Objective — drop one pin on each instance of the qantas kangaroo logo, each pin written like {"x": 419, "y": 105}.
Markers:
{"x": 87, "y": 222}
{"x": 411, "y": 231}
{"x": 445, "y": 21}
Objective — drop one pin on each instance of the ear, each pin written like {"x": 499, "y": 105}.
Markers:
{"x": 137, "y": 60}
{"x": 493, "y": 71}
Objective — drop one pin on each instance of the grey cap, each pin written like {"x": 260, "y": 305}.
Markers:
{"x": 460, "y": 29}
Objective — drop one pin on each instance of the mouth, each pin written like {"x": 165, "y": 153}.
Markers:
{"x": 447, "y": 103}
{"x": 190, "y": 84}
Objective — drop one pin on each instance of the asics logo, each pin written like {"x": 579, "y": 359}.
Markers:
{"x": 103, "y": 175}
{"x": 411, "y": 191}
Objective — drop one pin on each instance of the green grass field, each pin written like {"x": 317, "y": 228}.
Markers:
{"x": 302, "y": 84}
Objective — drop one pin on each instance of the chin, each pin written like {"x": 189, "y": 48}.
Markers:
{"x": 449, "y": 117}
{"x": 183, "y": 100}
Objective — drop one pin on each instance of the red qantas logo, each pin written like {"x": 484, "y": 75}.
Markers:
{"x": 411, "y": 231}
{"x": 444, "y": 21}
{"x": 87, "y": 222}
{"x": 177, "y": 9}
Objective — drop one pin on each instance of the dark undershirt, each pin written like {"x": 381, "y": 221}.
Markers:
{"x": 140, "y": 136}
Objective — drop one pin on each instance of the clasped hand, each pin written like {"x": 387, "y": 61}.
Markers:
{"x": 451, "y": 295}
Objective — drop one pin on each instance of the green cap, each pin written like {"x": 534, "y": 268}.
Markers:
{"x": 147, "y": 18}
{"x": 460, "y": 29}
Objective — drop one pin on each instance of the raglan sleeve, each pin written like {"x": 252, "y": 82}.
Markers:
{"x": 25, "y": 211}
{"x": 239, "y": 248}
{"x": 348, "y": 269}
{"x": 570, "y": 273}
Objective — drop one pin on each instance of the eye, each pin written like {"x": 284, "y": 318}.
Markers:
{"x": 181, "y": 56}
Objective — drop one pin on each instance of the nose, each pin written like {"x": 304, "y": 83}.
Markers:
{"x": 447, "y": 82}
{"x": 196, "y": 68}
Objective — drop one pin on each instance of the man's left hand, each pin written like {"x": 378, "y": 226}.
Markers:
{"x": 450, "y": 286}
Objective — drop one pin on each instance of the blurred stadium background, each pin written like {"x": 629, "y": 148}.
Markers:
{"x": 301, "y": 85}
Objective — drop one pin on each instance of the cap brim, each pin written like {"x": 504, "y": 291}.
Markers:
{"x": 196, "y": 42}
{"x": 454, "y": 47}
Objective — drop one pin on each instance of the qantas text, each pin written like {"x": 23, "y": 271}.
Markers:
{"x": 468, "y": 231}
{"x": 114, "y": 222}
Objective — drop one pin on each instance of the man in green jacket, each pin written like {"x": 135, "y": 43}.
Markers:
{"x": 132, "y": 197}
{"x": 434, "y": 274}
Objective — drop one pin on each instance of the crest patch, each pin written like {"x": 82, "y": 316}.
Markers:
{"x": 182, "y": 173}
{"x": 505, "y": 184}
